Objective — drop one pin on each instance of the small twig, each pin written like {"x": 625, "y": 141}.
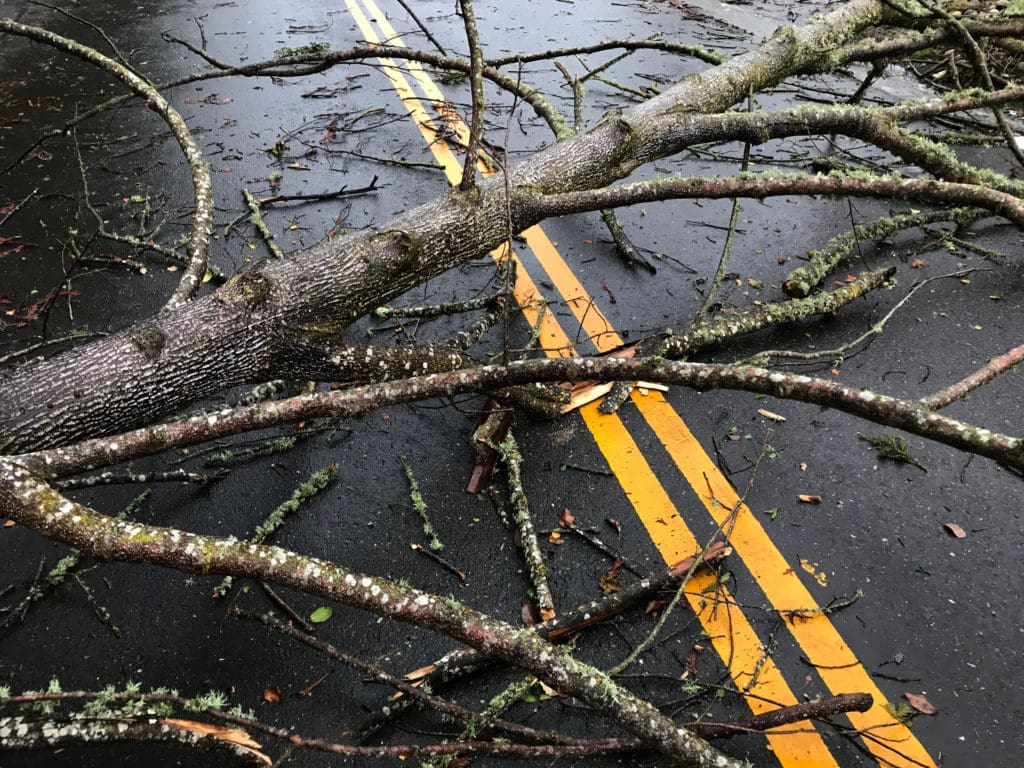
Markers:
{"x": 256, "y": 218}
{"x": 439, "y": 310}
{"x": 422, "y": 27}
{"x": 420, "y": 505}
{"x": 513, "y": 459}
{"x": 309, "y": 489}
{"x": 734, "y": 214}
{"x": 439, "y": 560}
{"x": 991, "y": 369}
{"x": 293, "y": 615}
{"x": 623, "y": 245}
{"x": 18, "y": 206}
{"x": 838, "y": 353}
{"x": 343, "y": 192}
{"x": 71, "y": 337}
{"x": 600, "y": 546}
{"x": 110, "y": 478}
{"x": 476, "y": 79}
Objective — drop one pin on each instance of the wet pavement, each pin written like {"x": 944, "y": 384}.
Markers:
{"x": 938, "y": 615}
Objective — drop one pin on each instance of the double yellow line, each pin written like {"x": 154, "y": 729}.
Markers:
{"x": 731, "y": 633}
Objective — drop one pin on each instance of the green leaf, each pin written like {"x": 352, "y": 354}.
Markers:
{"x": 137, "y": 199}
{"x": 772, "y": 513}
{"x": 321, "y": 614}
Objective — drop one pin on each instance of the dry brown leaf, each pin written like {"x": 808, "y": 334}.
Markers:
{"x": 555, "y": 538}
{"x": 230, "y": 735}
{"x": 956, "y": 530}
{"x": 547, "y": 614}
{"x": 271, "y": 695}
{"x": 917, "y": 263}
{"x": 808, "y": 499}
{"x": 567, "y": 518}
{"x": 919, "y": 702}
{"x": 770, "y": 415}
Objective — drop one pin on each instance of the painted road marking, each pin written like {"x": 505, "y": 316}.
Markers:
{"x": 840, "y": 669}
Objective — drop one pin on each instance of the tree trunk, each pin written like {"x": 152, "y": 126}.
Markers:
{"x": 286, "y": 318}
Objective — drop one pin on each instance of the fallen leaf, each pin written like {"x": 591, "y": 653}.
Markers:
{"x": 609, "y": 583}
{"x": 529, "y": 614}
{"x": 9, "y": 523}
{"x": 321, "y": 614}
{"x": 918, "y": 263}
{"x": 770, "y": 415}
{"x": 614, "y": 524}
{"x": 689, "y": 666}
{"x": 919, "y": 702}
{"x": 271, "y": 695}
{"x": 567, "y": 518}
{"x": 555, "y": 538}
{"x": 234, "y": 736}
{"x": 956, "y": 530}
{"x": 808, "y": 499}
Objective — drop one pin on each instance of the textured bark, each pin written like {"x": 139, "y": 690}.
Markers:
{"x": 271, "y": 321}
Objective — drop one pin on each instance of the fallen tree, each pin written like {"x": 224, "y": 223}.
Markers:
{"x": 105, "y": 401}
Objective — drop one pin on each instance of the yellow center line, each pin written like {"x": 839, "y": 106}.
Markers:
{"x": 732, "y": 635}
{"x": 734, "y": 639}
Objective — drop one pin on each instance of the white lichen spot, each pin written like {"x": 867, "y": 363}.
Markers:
{"x": 350, "y": 580}
{"x": 375, "y": 590}
{"x": 365, "y": 582}
{"x": 422, "y": 600}
{"x": 867, "y": 396}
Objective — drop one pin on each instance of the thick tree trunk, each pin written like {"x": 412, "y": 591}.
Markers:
{"x": 286, "y": 318}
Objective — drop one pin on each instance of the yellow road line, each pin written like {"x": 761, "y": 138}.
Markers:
{"x": 732, "y": 636}
{"x": 818, "y": 638}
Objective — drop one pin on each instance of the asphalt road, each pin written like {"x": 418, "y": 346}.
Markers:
{"x": 936, "y": 615}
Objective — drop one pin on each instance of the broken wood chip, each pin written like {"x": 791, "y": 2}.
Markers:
{"x": 809, "y": 499}
{"x": 235, "y": 736}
